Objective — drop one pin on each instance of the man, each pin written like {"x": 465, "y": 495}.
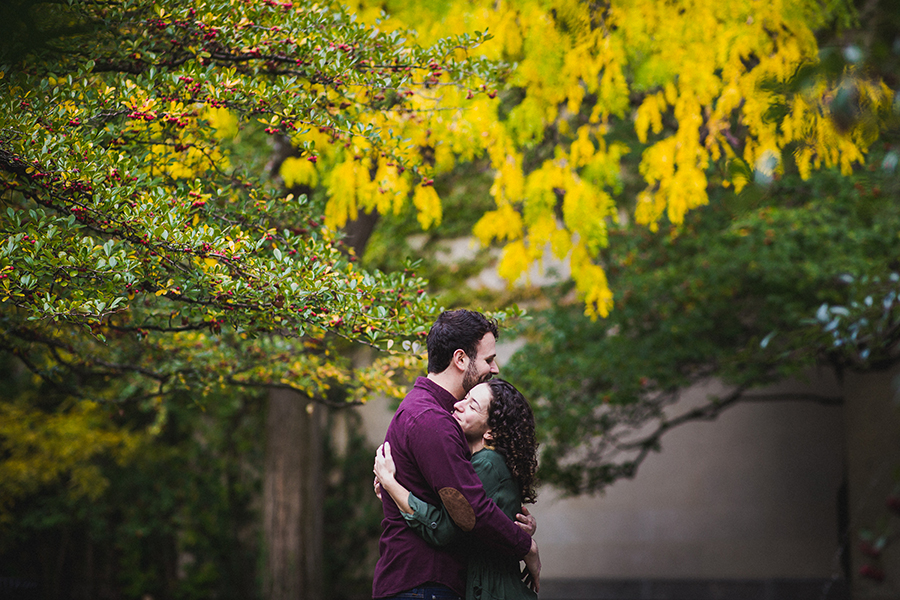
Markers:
{"x": 432, "y": 458}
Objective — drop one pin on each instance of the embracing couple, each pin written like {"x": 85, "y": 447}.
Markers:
{"x": 457, "y": 463}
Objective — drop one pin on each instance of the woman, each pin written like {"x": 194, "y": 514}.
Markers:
{"x": 499, "y": 426}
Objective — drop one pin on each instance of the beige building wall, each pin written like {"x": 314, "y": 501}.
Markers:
{"x": 752, "y": 495}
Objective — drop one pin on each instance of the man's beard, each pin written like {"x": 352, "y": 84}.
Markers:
{"x": 471, "y": 379}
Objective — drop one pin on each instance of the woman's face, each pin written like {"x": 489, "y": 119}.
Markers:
{"x": 472, "y": 411}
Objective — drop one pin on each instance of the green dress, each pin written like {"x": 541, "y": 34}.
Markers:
{"x": 491, "y": 575}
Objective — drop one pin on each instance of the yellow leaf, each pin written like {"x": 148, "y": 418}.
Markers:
{"x": 501, "y": 224}
{"x": 296, "y": 171}
{"x": 428, "y": 204}
{"x": 591, "y": 283}
{"x": 514, "y": 262}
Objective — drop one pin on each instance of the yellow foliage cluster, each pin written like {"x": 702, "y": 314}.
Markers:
{"x": 357, "y": 179}
{"x": 41, "y": 448}
{"x": 683, "y": 72}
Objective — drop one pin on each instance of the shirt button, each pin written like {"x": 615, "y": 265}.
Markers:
{"x": 433, "y": 525}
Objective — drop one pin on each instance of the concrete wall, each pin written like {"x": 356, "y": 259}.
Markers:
{"x": 751, "y": 495}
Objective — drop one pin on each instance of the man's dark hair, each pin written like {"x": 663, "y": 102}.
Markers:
{"x": 456, "y": 329}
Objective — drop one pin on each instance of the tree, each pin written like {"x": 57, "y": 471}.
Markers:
{"x": 172, "y": 513}
{"x": 126, "y": 214}
{"x": 733, "y": 294}
{"x": 148, "y": 258}
{"x": 713, "y": 91}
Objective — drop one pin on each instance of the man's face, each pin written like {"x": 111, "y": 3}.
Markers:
{"x": 484, "y": 365}
{"x": 472, "y": 411}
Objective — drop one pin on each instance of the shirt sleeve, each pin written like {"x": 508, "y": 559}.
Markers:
{"x": 431, "y": 523}
{"x": 442, "y": 455}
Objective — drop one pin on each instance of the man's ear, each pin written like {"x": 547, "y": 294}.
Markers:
{"x": 460, "y": 359}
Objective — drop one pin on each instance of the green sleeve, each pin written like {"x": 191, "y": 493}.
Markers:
{"x": 433, "y": 524}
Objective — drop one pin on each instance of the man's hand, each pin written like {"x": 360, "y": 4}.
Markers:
{"x": 533, "y": 566}
{"x": 526, "y": 521}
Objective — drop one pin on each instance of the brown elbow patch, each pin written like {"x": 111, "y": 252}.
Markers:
{"x": 458, "y": 508}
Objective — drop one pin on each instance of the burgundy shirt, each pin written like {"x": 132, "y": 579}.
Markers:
{"x": 431, "y": 453}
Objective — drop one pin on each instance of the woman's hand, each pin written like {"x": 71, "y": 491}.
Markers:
{"x": 384, "y": 464}
{"x": 385, "y": 481}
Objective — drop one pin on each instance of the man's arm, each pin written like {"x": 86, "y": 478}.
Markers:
{"x": 441, "y": 453}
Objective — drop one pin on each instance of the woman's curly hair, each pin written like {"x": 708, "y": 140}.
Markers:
{"x": 512, "y": 424}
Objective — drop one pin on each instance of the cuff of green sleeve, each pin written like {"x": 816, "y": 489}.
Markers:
{"x": 418, "y": 507}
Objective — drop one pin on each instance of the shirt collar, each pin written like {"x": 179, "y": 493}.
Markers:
{"x": 444, "y": 398}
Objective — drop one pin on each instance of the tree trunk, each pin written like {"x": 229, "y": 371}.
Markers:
{"x": 293, "y": 498}
{"x": 359, "y": 230}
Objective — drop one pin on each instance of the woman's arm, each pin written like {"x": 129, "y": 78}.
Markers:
{"x": 384, "y": 472}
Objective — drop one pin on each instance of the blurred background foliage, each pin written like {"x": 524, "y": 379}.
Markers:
{"x": 753, "y": 286}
